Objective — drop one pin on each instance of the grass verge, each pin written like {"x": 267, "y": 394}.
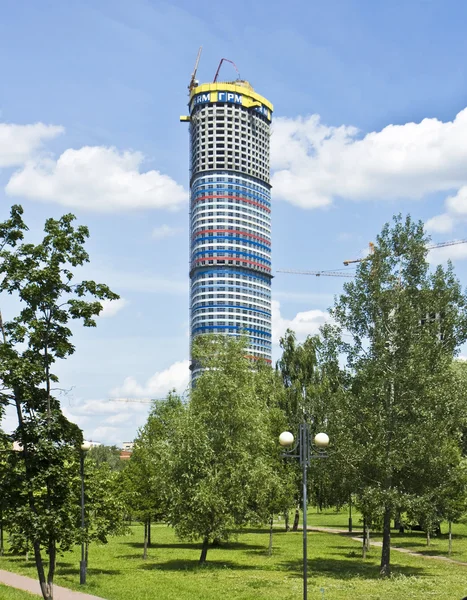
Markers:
{"x": 8, "y": 593}
{"x": 241, "y": 570}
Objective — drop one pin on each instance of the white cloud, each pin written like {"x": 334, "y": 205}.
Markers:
{"x": 442, "y": 255}
{"x": 101, "y": 408}
{"x": 165, "y": 231}
{"x": 109, "y": 421}
{"x": 137, "y": 282}
{"x": 457, "y": 204}
{"x": 118, "y": 418}
{"x": 456, "y": 212}
{"x": 303, "y": 324}
{"x": 98, "y": 179}
{"x": 105, "y": 435}
{"x": 440, "y": 224}
{"x": 19, "y": 142}
{"x": 314, "y": 163}
{"x": 176, "y": 376}
{"x": 111, "y": 307}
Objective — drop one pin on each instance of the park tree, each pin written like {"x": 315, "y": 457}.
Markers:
{"x": 315, "y": 388}
{"x": 221, "y": 453}
{"x": 109, "y": 455}
{"x": 146, "y": 480}
{"x": 277, "y": 494}
{"x": 405, "y": 325}
{"x": 42, "y": 279}
{"x": 105, "y": 503}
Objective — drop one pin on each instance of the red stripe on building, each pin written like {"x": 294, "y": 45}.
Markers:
{"x": 258, "y": 358}
{"x": 240, "y": 199}
{"x": 236, "y": 231}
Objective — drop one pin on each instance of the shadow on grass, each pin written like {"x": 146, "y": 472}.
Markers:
{"x": 181, "y": 545}
{"x": 193, "y": 565}
{"x": 194, "y": 546}
{"x": 30, "y": 564}
{"x": 90, "y": 571}
{"x": 257, "y": 530}
{"x": 346, "y": 569}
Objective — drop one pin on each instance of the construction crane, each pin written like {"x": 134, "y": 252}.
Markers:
{"x": 145, "y": 400}
{"x": 193, "y": 83}
{"x": 431, "y": 247}
{"x": 316, "y": 273}
{"x": 138, "y": 400}
{"x": 219, "y": 68}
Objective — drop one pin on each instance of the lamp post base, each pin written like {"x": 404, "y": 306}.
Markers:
{"x": 82, "y": 572}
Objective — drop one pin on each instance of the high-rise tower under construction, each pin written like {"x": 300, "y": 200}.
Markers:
{"x": 230, "y": 213}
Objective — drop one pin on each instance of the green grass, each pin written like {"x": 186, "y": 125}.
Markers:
{"x": 416, "y": 541}
{"x": 335, "y": 519}
{"x": 8, "y": 593}
{"x": 241, "y": 570}
{"x": 411, "y": 540}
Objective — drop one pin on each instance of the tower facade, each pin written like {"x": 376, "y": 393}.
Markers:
{"x": 230, "y": 214}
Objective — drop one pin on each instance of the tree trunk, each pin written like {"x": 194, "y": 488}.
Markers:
{"x": 145, "y": 546}
{"x": 397, "y": 520}
{"x": 47, "y": 593}
{"x": 385, "y": 569}
{"x": 296, "y": 520}
{"x": 364, "y": 548}
{"x": 204, "y": 551}
{"x": 286, "y": 520}
{"x": 52, "y": 565}
{"x": 428, "y": 538}
{"x": 450, "y": 539}
{"x": 350, "y": 513}
{"x": 270, "y": 537}
{"x": 149, "y": 532}
{"x": 1, "y": 531}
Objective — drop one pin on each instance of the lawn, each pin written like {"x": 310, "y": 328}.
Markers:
{"x": 7, "y": 593}
{"x": 412, "y": 540}
{"x": 242, "y": 570}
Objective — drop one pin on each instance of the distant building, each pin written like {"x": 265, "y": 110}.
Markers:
{"x": 128, "y": 446}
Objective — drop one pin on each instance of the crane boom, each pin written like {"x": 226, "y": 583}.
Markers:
{"x": 135, "y": 400}
{"x": 316, "y": 273}
{"x": 192, "y": 83}
{"x": 444, "y": 244}
{"x": 219, "y": 68}
{"x": 431, "y": 247}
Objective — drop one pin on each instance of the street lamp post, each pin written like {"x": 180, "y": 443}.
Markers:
{"x": 305, "y": 455}
{"x": 85, "y": 446}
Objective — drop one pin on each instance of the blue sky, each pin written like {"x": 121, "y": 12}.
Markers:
{"x": 368, "y": 122}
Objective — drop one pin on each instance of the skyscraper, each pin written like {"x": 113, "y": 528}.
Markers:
{"x": 230, "y": 214}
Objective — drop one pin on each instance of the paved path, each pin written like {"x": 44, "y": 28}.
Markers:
{"x": 31, "y": 585}
{"x": 379, "y": 544}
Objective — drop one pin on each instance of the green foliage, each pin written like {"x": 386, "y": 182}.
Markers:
{"x": 145, "y": 481}
{"x": 41, "y": 478}
{"x": 315, "y": 390}
{"x": 405, "y": 325}
{"x": 224, "y": 454}
{"x": 104, "y": 502}
{"x": 109, "y": 455}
